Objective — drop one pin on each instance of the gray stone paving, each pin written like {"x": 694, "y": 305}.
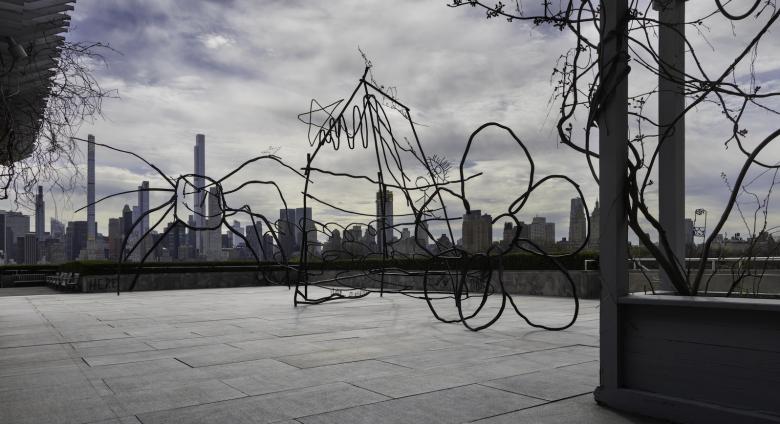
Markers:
{"x": 246, "y": 355}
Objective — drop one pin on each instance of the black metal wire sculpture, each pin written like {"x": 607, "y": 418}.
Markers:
{"x": 445, "y": 273}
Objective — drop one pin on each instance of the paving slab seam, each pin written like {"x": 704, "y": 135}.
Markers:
{"x": 571, "y": 365}
{"x": 105, "y": 384}
{"x": 546, "y": 401}
{"x": 277, "y": 358}
{"x": 421, "y": 393}
{"x": 34, "y": 345}
{"x": 179, "y": 360}
{"x": 397, "y": 365}
{"x": 369, "y": 390}
{"x": 267, "y": 394}
{"x": 237, "y": 389}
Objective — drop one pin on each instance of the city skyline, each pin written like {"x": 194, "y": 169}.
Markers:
{"x": 477, "y": 234}
{"x": 252, "y": 97}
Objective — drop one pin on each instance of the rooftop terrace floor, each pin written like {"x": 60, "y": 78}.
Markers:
{"x": 246, "y": 355}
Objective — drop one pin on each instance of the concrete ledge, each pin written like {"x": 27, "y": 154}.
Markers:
{"x": 536, "y": 283}
{"x": 170, "y": 281}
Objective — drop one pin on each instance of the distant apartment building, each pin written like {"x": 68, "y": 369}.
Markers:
{"x": 285, "y": 232}
{"x": 115, "y": 238}
{"x": 254, "y": 237}
{"x": 213, "y": 240}
{"x": 237, "y": 240}
{"x": 595, "y": 225}
{"x": 54, "y": 250}
{"x": 56, "y": 229}
{"x": 541, "y": 232}
{"x": 13, "y": 226}
{"x": 304, "y": 220}
{"x": 75, "y": 239}
{"x": 578, "y": 225}
{"x": 477, "y": 231}
{"x": 30, "y": 241}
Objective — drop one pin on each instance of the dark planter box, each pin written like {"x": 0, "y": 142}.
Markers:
{"x": 698, "y": 359}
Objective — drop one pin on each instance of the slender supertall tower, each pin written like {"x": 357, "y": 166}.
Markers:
{"x": 91, "y": 188}
{"x": 143, "y": 206}
{"x": 200, "y": 194}
{"x": 40, "y": 215}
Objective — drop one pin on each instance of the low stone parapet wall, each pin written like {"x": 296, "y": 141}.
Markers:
{"x": 537, "y": 283}
{"x": 170, "y": 281}
{"x": 721, "y": 282}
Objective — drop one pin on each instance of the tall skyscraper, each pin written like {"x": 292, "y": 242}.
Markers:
{"x": 30, "y": 243}
{"x": 268, "y": 247}
{"x": 577, "y": 223}
{"x": 56, "y": 229}
{"x": 549, "y": 233}
{"x": 115, "y": 237}
{"x": 237, "y": 227}
{"x": 40, "y": 215}
{"x": 477, "y": 231}
{"x": 509, "y": 233}
{"x": 214, "y": 222}
{"x": 285, "y": 228}
{"x": 175, "y": 240}
{"x": 254, "y": 235}
{"x": 541, "y": 232}
{"x": 143, "y": 206}
{"x": 76, "y": 239}
{"x": 595, "y": 218}
{"x": 136, "y": 214}
{"x": 135, "y": 234}
{"x": 199, "y": 198}
{"x": 192, "y": 236}
{"x": 127, "y": 220}
{"x": 91, "y": 225}
{"x": 303, "y": 220}
{"x": 15, "y": 227}
{"x": 384, "y": 220}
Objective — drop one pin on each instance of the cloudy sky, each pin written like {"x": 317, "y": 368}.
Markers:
{"x": 240, "y": 71}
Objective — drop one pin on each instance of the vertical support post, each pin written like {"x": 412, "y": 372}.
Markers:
{"x": 613, "y": 165}
{"x": 91, "y": 191}
{"x": 671, "y": 106}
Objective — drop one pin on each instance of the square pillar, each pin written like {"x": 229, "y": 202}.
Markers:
{"x": 671, "y": 130}
{"x": 613, "y": 170}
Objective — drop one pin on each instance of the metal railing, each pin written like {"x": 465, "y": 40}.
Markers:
{"x": 638, "y": 263}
